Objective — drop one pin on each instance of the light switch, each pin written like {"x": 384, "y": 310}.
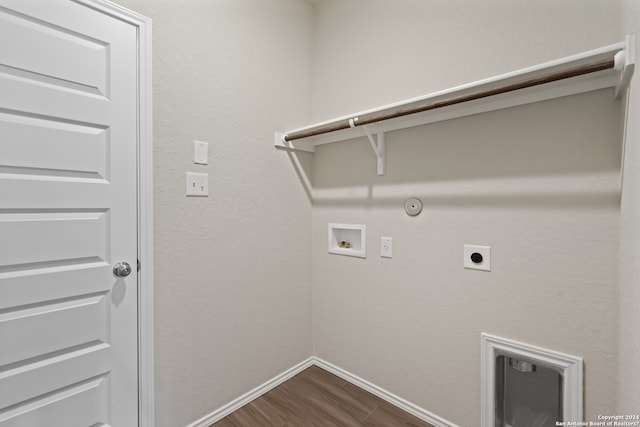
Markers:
{"x": 201, "y": 156}
{"x": 386, "y": 247}
{"x": 197, "y": 184}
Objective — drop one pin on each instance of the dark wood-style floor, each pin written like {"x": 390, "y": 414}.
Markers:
{"x": 317, "y": 398}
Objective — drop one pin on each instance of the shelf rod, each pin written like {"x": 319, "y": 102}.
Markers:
{"x": 400, "y": 111}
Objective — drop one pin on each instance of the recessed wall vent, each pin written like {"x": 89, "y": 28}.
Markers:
{"x": 524, "y": 385}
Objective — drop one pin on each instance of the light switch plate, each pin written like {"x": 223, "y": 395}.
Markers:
{"x": 477, "y": 257}
{"x": 197, "y": 184}
{"x": 201, "y": 150}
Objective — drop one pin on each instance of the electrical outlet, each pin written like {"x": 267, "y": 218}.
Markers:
{"x": 477, "y": 257}
{"x": 386, "y": 247}
{"x": 197, "y": 184}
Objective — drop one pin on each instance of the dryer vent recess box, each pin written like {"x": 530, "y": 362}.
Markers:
{"x": 348, "y": 239}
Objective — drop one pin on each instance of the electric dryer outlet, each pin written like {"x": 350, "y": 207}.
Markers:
{"x": 477, "y": 257}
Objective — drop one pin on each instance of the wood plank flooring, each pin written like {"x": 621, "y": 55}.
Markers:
{"x": 317, "y": 398}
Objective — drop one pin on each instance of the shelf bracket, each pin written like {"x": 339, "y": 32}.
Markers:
{"x": 291, "y": 146}
{"x": 378, "y": 146}
{"x": 625, "y": 64}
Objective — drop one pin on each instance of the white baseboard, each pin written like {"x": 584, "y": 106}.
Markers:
{"x": 406, "y": 406}
{"x": 383, "y": 394}
{"x": 238, "y": 403}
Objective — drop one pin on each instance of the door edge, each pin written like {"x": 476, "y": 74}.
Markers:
{"x": 143, "y": 24}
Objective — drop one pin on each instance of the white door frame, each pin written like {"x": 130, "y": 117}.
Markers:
{"x": 145, "y": 203}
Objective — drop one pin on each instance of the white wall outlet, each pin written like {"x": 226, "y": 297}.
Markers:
{"x": 386, "y": 247}
{"x": 201, "y": 153}
{"x": 477, "y": 257}
{"x": 197, "y": 184}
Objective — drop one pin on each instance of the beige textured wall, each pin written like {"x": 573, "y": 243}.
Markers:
{"x": 374, "y": 52}
{"x": 538, "y": 183}
{"x": 629, "y": 372}
{"x": 232, "y": 279}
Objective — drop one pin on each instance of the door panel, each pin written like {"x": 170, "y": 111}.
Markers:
{"x": 58, "y": 47}
{"x": 43, "y": 146}
{"x": 35, "y": 332}
{"x": 31, "y": 286}
{"x": 68, "y": 146}
{"x": 82, "y": 405}
{"x": 70, "y": 236}
{"x": 55, "y": 372}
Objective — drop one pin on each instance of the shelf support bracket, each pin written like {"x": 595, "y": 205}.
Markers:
{"x": 378, "y": 145}
{"x": 291, "y": 146}
{"x": 625, "y": 64}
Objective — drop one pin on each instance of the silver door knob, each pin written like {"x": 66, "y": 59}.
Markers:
{"x": 122, "y": 269}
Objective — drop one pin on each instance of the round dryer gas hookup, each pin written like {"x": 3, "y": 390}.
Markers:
{"x": 413, "y": 206}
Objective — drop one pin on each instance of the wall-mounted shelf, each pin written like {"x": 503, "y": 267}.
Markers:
{"x": 609, "y": 66}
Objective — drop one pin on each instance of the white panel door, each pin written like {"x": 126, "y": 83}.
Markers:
{"x": 68, "y": 144}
